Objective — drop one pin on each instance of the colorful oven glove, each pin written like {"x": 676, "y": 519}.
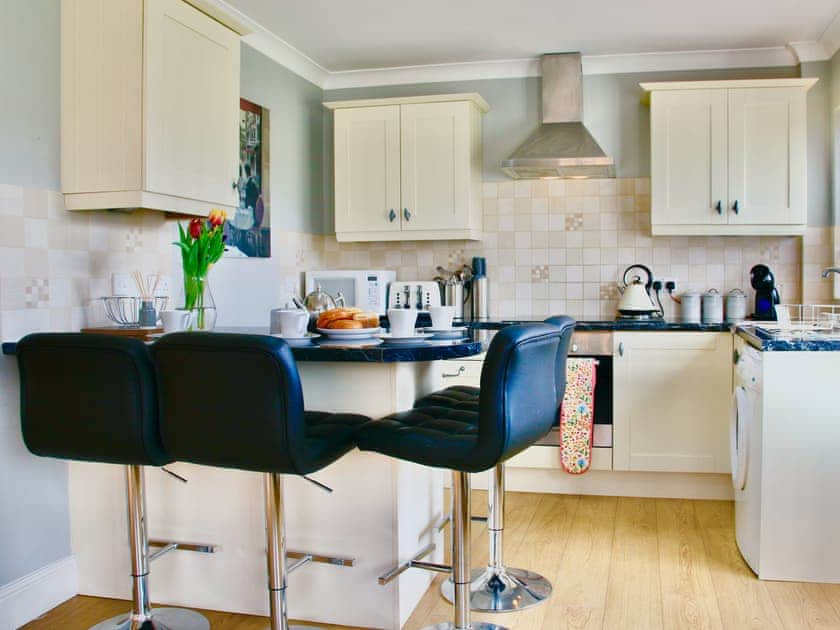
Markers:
{"x": 577, "y": 416}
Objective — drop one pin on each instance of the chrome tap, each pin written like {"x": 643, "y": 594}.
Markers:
{"x": 829, "y": 271}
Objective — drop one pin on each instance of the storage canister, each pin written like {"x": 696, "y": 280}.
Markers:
{"x": 736, "y": 306}
{"x": 712, "y": 307}
{"x": 690, "y": 307}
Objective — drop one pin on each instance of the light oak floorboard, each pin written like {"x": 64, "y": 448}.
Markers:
{"x": 633, "y": 592}
{"x": 615, "y": 564}
{"x": 688, "y": 595}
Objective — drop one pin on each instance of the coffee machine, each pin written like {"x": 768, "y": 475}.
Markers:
{"x": 766, "y": 293}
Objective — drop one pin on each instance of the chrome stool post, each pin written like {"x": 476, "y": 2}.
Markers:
{"x": 142, "y": 615}
{"x": 497, "y": 588}
{"x": 461, "y": 522}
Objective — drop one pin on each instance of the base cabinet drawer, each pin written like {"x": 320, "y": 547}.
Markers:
{"x": 466, "y": 373}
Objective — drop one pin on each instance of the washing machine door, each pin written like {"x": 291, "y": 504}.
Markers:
{"x": 739, "y": 437}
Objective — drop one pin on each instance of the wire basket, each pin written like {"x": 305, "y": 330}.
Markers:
{"x": 125, "y": 311}
{"x": 808, "y": 318}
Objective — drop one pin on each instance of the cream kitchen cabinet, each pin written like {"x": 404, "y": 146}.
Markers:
{"x": 728, "y": 157}
{"x": 408, "y": 168}
{"x": 671, "y": 401}
{"x": 149, "y": 105}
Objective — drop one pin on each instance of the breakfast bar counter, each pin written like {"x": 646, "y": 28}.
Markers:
{"x": 380, "y": 513}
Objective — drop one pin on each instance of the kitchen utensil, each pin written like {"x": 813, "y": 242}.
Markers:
{"x": 125, "y": 311}
{"x": 442, "y": 316}
{"x": 690, "y": 307}
{"x": 289, "y": 322}
{"x": 635, "y": 294}
{"x": 766, "y": 294}
{"x": 173, "y": 321}
{"x": 402, "y": 321}
{"x": 318, "y": 301}
{"x": 736, "y": 306}
{"x": 479, "y": 297}
{"x": 712, "y": 307}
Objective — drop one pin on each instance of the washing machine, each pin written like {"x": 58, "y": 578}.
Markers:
{"x": 745, "y": 440}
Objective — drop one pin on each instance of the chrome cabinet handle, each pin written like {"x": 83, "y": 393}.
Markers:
{"x": 406, "y": 214}
{"x": 392, "y": 215}
{"x": 719, "y": 207}
{"x": 621, "y": 348}
{"x": 234, "y": 185}
{"x": 460, "y": 371}
{"x": 574, "y": 347}
{"x": 735, "y": 208}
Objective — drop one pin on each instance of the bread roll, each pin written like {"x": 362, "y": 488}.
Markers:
{"x": 332, "y": 315}
{"x": 345, "y": 323}
{"x": 369, "y": 320}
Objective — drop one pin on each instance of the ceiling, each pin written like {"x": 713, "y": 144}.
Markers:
{"x": 349, "y": 35}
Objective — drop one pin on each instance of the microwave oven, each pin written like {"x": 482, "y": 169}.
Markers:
{"x": 367, "y": 290}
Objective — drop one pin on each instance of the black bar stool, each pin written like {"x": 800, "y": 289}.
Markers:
{"x": 257, "y": 422}
{"x": 93, "y": 398}
{"x": 498, "y": 588}
{"x": 517, "y": 405}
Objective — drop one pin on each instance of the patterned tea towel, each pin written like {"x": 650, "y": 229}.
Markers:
{"x": 577, "y": 414}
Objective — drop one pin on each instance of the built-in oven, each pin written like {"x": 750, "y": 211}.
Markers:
{"x": 597, "y": 345}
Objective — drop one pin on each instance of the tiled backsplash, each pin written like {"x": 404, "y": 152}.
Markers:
{"x": 561, "y": 246}
{"x": 53, "y": 262}
{"x": 551, "y": 246}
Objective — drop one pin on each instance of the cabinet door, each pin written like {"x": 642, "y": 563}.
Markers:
{"x": 671, "y": 401}
{"x": 767, "y": 156}
{"x": 435, "y": 166}
{"x": 367, "y": 169}
{"x": 688, "y": 157}
{"x": 191, "y": 92}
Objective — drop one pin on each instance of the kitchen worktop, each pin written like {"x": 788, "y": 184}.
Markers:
{"x": 584, "y": 325}
{"x": 373, "y": 351}
{"x": 770, "y": 340}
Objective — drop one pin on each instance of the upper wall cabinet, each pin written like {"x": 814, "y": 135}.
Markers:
{"x": 408, "y": 168}
{"x": 149, "y": 106}
{"x": 728, "y": 157}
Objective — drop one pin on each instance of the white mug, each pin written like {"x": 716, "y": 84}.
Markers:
{"x": 289, "y": 322}
{"x": 402, "y": 321}
{"x": 442, "y": 317}
{"x": 173, "y": 321}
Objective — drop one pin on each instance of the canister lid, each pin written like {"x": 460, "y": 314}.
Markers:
{"x": 712, "y": 293}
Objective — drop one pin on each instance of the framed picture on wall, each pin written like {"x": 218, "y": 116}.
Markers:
{"x": 249, "y": 229}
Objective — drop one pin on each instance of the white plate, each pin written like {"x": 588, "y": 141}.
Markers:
{"x": 297, "y": 341}
{"x": 456, "y": 332}
{"x": 350, "y": 333}
{"x": 389, "y": 338}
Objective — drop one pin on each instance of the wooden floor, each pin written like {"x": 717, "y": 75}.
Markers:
{"x": 616, "y": 563}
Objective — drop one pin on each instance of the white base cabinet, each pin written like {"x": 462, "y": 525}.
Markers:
{"x": 728, "y": 157}
{"x": 408, "y": 168}
{"x": 672, "y": 401}
{"x": 149, "y": 106}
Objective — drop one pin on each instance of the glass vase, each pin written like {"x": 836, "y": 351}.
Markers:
{"x": 198, "y": 299}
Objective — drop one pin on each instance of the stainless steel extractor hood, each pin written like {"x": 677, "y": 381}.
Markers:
{"x": 561, "y": 147}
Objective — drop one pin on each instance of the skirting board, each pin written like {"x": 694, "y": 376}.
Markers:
{"x": 32, "y": 595}
{"x": 614, "y": 483}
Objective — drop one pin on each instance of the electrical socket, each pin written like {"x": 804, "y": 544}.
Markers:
{"x": 665, "y": 282}
{"x": 121, "y": 284}
{"x": 164, "y": 286}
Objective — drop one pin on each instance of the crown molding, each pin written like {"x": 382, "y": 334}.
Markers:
{"x": 806, "y": 52}
{"x": 262, "y": 40}
{"x": 830, "y": 39}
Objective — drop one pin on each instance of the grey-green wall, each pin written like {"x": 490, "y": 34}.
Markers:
{"x": 34, "y": 513}
{"x": 834, "y": 105}
{"x": 297, "y": 126}
{"x": 820, "y": 212}
{"x": 29, "y": 97}
{"x": 613, "y": 112}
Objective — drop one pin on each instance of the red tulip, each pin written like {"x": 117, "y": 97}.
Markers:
{"x": 217, "y": 217}
{"x": 195, "y": 228}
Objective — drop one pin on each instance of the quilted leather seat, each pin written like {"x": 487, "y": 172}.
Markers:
{"x": 254, "y": 419}
{"x": 517, "y": 405}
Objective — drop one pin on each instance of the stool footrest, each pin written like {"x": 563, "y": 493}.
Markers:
{"x": 415, "y": 563}
{"x": 172, "y": 545}
{"x": 317, "y": 557}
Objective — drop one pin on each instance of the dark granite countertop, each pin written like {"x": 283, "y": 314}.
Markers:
{"x": 772, "y": 341}
{"x": 374, "y": 351}
{"x": 584, "y": 325}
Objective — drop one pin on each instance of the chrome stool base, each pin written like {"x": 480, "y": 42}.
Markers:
{"x": 502, "y": 590}
{"x": 475, "y": 625}
{"x": 160, "y": 619}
